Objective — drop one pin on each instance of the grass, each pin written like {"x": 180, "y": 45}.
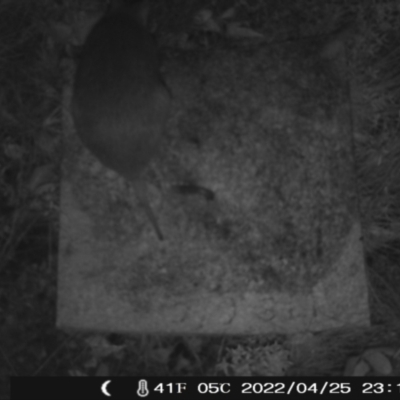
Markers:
{"x": 31, "y": 62}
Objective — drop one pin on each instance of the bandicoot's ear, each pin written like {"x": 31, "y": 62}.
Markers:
{"x": 137, "y": 9}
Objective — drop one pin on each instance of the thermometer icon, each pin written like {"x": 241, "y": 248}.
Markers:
{"x": 142, "y": 391}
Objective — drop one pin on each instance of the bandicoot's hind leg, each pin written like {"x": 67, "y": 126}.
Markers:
{"x": 141, "y": 193}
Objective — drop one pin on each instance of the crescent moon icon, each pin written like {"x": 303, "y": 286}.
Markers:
{"x": 104, "y": 388}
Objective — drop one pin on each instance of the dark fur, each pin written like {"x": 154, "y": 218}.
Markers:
{"x": 120, "y": 102}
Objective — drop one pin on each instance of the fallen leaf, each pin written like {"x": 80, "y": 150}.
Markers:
{"x": 378, "y": 362}
{"x": 40, "y": 176}
{"x": 361, "y": 369}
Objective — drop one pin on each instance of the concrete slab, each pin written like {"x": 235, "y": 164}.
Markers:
{"x": 255, "y": 193}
